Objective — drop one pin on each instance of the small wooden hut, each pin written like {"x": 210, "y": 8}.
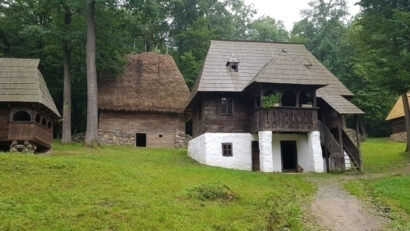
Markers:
{"x": 397, "y": 120}
{"x": 27, "y": 110}
{"x": 144, "y": 105}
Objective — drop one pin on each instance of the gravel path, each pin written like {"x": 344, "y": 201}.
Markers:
{"x": 335, "y": 209}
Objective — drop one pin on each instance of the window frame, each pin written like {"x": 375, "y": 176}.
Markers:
{"x": 225, "y": 107}
{"x": 227, "y": 149}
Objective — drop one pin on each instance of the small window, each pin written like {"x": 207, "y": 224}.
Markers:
{"x": 160, "y": 136}
{"x": 21, "y": 116}
{"x": 226, "y": 106}
{"x": 227, "y": 149}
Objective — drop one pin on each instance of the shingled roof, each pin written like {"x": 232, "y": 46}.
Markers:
{"x": 268, "y": 62}
{"x": 150, "y": 82}
{"x": 21, "y": 81}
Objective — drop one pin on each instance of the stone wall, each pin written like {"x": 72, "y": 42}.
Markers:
{"x": 401, "y": 136}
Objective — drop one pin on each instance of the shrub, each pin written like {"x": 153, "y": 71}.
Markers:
{"x": 211, "y": 192}
{"x": 272, "y": 99}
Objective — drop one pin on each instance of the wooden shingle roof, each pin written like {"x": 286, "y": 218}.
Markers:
{"x": 398, "y": 109}
{"x": 21, "y": 81}
{"x": 268, "y": 62}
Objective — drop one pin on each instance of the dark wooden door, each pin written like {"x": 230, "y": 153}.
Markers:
{"x": 289, "y": 156}
{"x": 255, "y": 156}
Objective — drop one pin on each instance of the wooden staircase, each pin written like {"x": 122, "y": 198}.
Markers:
{"x": 332, "y": 146}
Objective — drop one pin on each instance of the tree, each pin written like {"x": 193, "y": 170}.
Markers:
{"x": 91, "y": 136}
{"x": 266, "y": 28}
{"x": 385, "y": 39}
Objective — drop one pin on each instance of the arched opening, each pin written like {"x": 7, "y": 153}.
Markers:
{"x": 306, "y": 98}
{"x": 44, "y": 122}
{"x": 289, "y": 99}
{"x": 38, "y": 119}
{"x": 49, "y": 125}
{"x": 21, "y": 116}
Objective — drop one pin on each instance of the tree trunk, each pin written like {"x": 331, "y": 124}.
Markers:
{"x": 66, "y": 138}
{"x": 407, "y": 119}
{"x": 91, "y": 135}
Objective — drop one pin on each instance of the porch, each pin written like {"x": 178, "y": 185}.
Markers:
{"x": 30, "y": 131}
{"x": 284, "y": 119}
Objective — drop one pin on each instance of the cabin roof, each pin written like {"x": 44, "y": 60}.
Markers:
{"x": 150, "y": 82}
{"x": 21, "y": 81}
{"x": 398, "y": 110}
{"x": 267, "y": 62}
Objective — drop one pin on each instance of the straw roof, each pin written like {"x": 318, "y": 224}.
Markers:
{"x": 267, "y": 62}
{"x": 398, "y": 109}
{"x": 150, "y": 82}
{"x": 21, "y": 81}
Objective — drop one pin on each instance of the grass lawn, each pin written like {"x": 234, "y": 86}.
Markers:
{"x": 387, "y": 183}
{"x": 125, "y": 188}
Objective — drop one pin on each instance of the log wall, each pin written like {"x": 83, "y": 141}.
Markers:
{"x": 208, "y": 116}
{"x": 161, "y": 129}
{"x": 4, "y": 123}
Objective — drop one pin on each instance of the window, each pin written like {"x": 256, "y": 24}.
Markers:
{"x": 226, "y": 106}
{"x": 21, "y": 116}
{"x": 227, "y": 149}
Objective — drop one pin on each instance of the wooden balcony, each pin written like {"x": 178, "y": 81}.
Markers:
{"x": 31, "y": 131}
{"x": 284, "y": 119}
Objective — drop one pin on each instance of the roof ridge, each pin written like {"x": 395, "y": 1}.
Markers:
{"x": 272, "y": 61}
{"x": 256, "y": 41}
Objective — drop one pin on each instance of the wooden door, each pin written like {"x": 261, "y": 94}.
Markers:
{"x": 255, "y": 156}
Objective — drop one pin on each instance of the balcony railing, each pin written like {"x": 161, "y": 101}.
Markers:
{"x": 30, "y": 131}
{"x": 284, "y": 119}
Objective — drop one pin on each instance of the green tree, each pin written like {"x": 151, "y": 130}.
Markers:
{"x": 385, "y": 40}
{"x": 266, "y": 28}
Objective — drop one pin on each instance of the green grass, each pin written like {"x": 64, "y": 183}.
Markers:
{"x": 389, "y": 187}
{"x": 125, "y": 188}
{"x": 382, "y": 155}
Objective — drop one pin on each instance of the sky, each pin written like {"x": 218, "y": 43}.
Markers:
{"x": 289, "y": 10}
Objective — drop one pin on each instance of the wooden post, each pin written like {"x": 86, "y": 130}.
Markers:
{"x": 297, "y": 99}
{"x": 342, "y": 153}
{"x": 314, "y": 99}
{"x": 358, "y": 142}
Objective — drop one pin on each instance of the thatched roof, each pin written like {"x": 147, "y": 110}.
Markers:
{"x": 150, "y": 82}
{"x": 398, "y": 109}
{"x": 21, "y": 81}
{"x": 268, "y": 62}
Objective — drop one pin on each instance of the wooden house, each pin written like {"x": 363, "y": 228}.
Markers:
{"x": 27, "y": 110}
{"x": 304, "y": 131}
{"x": 144, "y": 106}
{"x": 397, "y": 120}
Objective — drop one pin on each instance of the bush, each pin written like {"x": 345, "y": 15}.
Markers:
{"x": 211, "y": 192}
{"x": 272, "y": 99}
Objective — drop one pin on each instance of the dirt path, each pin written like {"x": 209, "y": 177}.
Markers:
{"x": 335, "y": 209}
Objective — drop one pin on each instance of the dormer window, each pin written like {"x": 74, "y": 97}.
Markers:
{"x": 233, "y": 64}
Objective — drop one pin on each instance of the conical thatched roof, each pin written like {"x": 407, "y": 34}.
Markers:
{"x": 398, "y": 109}
{"x": 21, "y": 81}
{"x": 150, "y": 82}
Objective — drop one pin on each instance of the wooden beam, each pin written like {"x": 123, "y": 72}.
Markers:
{"x": 340, "y": 127}
{"x": 358, "y": 142}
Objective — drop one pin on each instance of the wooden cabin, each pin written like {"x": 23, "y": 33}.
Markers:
{"x": 144, "y": 106}
{"x": 397, "y": 120}
{"x": 27, "y": 110}
{"x": 303, "y": 129}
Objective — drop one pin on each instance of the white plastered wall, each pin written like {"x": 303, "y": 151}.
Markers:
{"x": 309, "y": 151}
{"x": 207, "y": 149}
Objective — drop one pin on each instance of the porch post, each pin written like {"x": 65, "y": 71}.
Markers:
{"x": 342, "y": 152}
{"x": 265, "y": 151}
{"x": 358, "y": 142}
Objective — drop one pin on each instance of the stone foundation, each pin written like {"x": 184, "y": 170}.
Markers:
{"x": 401, "y": 136}
{"x": 154, "y": 139}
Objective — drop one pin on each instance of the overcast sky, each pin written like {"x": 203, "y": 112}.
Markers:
{"x": 289, "y": 10}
